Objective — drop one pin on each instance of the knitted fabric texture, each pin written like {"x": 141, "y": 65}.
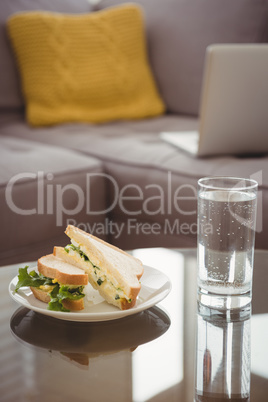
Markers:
{"x": 84, "y": 68}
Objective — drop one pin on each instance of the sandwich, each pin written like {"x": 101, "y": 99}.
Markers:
{"x": 113, "y": 272}
{"x": 57, "y": 283}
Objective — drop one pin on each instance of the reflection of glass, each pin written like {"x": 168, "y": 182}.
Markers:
{"x": 222, "y": 357}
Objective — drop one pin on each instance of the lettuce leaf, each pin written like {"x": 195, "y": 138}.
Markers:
{"x": 59, "y": 293}
{"x": 31, "y": 279}
{"x": 56, "y": 305}
{"x": 71, "y": 293}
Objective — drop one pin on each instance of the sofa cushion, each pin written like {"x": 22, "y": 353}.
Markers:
{"x": 90, "y": 68}
{"x": 180, "y": 30}
{"x": 10, "y": 92}
{"x": 42, "y": 189}
{"x": 142, "y": 167}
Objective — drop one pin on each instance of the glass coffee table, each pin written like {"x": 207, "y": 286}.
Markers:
{"x": 173, "y": 351}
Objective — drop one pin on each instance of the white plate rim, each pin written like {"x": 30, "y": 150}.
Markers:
{"x": 20, "y": 297}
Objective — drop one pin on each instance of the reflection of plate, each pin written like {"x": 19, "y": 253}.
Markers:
{"x": 155, "y": 286}
{"x": 88, "y": 338}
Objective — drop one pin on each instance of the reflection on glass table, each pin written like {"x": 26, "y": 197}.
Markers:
{"x": 223, "y": 352}
{"x": 80, "y": 341}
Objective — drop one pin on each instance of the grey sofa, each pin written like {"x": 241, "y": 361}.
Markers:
{"x": 118, "y": 180}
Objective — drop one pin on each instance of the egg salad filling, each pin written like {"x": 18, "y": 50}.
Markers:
{"x": 99, "y": 277}
{"x": 57, "y": 292}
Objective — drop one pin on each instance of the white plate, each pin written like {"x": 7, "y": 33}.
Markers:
{"x": 155, "y": 286}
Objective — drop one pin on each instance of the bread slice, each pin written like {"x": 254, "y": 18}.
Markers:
{"x": 113, "y": 272}
{"x": 42, "y": 295}
{"x": 65, "y": 273}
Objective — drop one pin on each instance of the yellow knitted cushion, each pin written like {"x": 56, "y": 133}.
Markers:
{"x": 84, "y": 68}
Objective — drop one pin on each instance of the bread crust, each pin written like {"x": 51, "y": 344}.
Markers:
{"x": 126, "y": 305}
{"x": 74, "y": 305}
{"x": 62, "y": 277}
{"x": 40, "y": 295}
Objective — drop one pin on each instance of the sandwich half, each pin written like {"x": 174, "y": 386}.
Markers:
{"x": 58, "y": 283}
{"x": 113, "y": 272}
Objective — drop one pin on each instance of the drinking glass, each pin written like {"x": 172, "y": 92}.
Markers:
{"x": 226, "y": 235}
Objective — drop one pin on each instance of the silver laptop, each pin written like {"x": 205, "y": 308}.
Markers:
{"x": 233, "y": 117}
